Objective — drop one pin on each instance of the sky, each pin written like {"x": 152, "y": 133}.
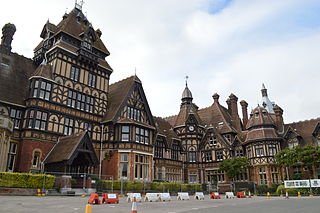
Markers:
{"x": 223, "y": 46}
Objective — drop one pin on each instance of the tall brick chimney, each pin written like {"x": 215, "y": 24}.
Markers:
{"x": 279, "y": 118}
{"x": 229, "y": 106}
{"x": 244, "y": 106}
{"x": 7, "y": 36}
{"x": 234, "y": 111}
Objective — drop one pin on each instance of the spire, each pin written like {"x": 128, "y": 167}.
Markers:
{"x": 266, "y": 103}
{"x": 186, "y": 95}
{"x": 264, "y": 91}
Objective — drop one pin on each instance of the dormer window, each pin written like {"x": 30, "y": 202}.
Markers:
{"x": 257, "y": 114}
{"x": 213, "y": 141}
{"x": 227, "y": 137}
{"x": 41, "y": 89}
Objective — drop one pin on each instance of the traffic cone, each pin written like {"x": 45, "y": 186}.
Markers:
{"x": 88, "y": 209}
{"x": 287, "y": 195}
{"x": 249, "y": 196}
{"x": 134, "y": 206}
{"x": 268, "y": 195}
{"x": 299, "y": 194}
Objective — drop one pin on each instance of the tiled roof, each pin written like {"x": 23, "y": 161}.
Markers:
{"x": 15, "y": 70}
{"x": 259, "y": 116}
{"x": 164, "y": 128}
{"x": 117, "y": 94}
{"x": 185, "y": 111}
{"x": 261, "y": 133}
{"x": 305, "y": 129}
{"x": 44, "y": 70}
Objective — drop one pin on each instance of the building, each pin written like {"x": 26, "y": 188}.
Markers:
{"x": 58, "y": 113}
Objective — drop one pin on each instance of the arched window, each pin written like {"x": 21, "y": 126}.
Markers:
{"x": 36, "y": 159}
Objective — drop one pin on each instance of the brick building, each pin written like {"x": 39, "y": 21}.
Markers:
{"x": 58, "y": 113}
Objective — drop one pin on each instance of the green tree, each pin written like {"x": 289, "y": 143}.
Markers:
{"x": 309, "y": 156}
{"x": 287, "y": 158}
{"x": 234, "y": 166}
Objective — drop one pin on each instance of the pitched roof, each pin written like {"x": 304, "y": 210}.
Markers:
{"x": 117, "y": 94}
{"x": 184, "y": 113}
{"x": 259, "y": 116}
{"x": 261, "y": 133}
{"x": 66, "y": 148}
{"x": 44, "y": 70}
{"x": 304, "y": 129}
{"x": 15, "y": 70}
{"x": 164, "y": 128}
{"x": 218, "y": 116}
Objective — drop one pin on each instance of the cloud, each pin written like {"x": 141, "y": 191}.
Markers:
{"x": 223, "y": 46}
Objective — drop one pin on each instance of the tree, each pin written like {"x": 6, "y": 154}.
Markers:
{"x": 234, "y": 166}
{"x": 309, "y": 156}
{"x": 287, "y": 158}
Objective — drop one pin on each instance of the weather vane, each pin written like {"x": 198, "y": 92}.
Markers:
{"x": 187, "y": 80}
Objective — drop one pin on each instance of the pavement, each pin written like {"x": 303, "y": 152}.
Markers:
{"x": 55, "y": 204}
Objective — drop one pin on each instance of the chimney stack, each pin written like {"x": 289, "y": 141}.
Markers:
{"x": 279, "y": 118}
{"x": 7, "y": 36}
{"x": 215, "y": 97}
{"x": 234, "y": 111}
{"x": 244, "y": 106}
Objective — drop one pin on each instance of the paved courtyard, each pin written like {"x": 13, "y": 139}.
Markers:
{"x": 26, "y": 204}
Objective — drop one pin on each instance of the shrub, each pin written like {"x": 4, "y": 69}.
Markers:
{"x": 282, "y": 190}
{"x": 26, "y": 180}
{"x": 262, "y": 189}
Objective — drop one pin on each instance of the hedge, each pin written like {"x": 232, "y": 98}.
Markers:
{"x": 26, "y": 180}
{"x": 139, "y": 185}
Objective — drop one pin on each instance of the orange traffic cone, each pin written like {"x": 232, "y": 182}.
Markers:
{"x": 134, "y": 206}
{"x": 268, "y": 195}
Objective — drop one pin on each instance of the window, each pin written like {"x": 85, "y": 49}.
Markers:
{"x": 297, "y": 170}
{"x": 124, "y": 166}
{"x": 38, "y": 120}
{"x": 215, "y": 176}
{"x": 275, "y": 174}
{"x": 175, "y": 151}
{"x": 192, "y": 156}
{"x": 193, "y": 177}
{"x": 92, "y": 80}
{"x": 134, "y": 114}
{"x": 159, "y": 173}
{"x": 88, "y": 127}
{"x": 16, "y": 117}
{"x": 272, "y": 149}
{"x": 213, "y": 141}
{"x": 141, "y": 170}
{"x": 36, "y": 159}
{"x": 159, "y": 149}
{"x": 68, "y": 126}
{"x": 142, "y": 135}
{"x": 42, "y": 89}
{"x": 263, "y": 176}
{"x": 239, "y": 153}
{"x": 125, "y": 133}
{"x": 259, "y": 151}
{"x": 219, "y": 155}
{"x": 75, "y": 73}
{"x": 241, "y": 177}
{"x": 208, "y": 156}
{"x": 227, "y": 137}
{"x": 11, "y": 157}
{"x": 86, "y": 45}
{"x": 80, "y": 101}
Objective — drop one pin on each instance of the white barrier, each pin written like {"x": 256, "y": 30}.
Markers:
{"x": 164, "y": 197}
{"x": 229, "y": 195}
{"x": 199, "y": 196}
{"x": 151, "y": 197}
{"x": 183, "y": 196}
{"x": 132, "y": 195}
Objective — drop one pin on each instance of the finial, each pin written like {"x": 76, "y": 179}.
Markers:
{"x": 263, "y": 87}
{"x": 135, "y": 71}
{"x": 79, "y": 5}
{"x": 187, "y": 80}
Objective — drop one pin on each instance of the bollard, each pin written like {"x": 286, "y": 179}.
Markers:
{"x": 88, "y": 208}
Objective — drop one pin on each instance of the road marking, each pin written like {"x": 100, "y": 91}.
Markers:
{"x": 195, "y": 208}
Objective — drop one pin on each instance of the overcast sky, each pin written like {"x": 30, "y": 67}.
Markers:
{"x": 224, "y": 46}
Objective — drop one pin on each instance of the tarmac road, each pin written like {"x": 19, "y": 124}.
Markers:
{"x": 52, "y": 204}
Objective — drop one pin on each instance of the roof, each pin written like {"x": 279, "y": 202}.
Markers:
{"x": 164, "y": 128}
{"x": 44, "y": 70}
{"x": 15, "y": 70}
{"x": 185, "y": 112}
{"x": 66, "y": 148}
{"x": 266, "y": 103}
{"x": 71, "y": 26}
{"x": 261, "y": 133}
{"x": 186, "y": 93}
{"x": 305, "y": 129}
{"x": 259, "y": 116}
{"x": 117, "y": 95}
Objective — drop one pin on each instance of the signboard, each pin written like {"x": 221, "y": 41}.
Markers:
{"x": 301, "y": 183}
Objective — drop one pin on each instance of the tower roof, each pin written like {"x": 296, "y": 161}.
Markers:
{"x": 266, "y": 103}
